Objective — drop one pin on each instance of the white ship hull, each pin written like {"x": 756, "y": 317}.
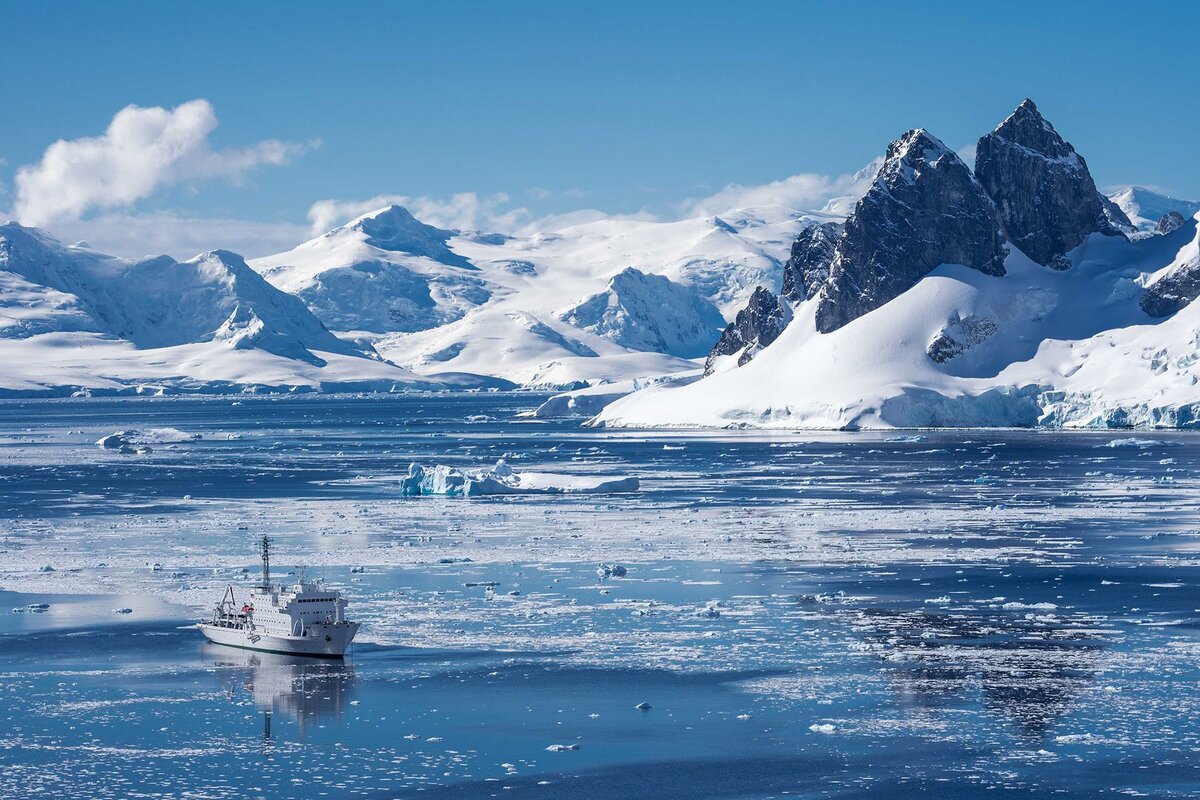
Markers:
{"x": 321, "y": 641}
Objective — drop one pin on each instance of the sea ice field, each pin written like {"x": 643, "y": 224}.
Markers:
{"x": 972, "y": 613}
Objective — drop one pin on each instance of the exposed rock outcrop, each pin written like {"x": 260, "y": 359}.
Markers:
{"x": 924, "y": 209}
{"x": 1169, "y": 223}
{"x": 1172, "y": 291}
{"x": 1045, "y": 196}
{"x": 755, "y": 327}
{"x": 960, "y": 335}
{"x": 807, "y": 269}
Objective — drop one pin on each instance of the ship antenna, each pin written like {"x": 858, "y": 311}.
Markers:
{"x": 266, "y": 559}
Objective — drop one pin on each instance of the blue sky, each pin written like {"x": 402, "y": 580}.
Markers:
{"x": 617, "y": 106}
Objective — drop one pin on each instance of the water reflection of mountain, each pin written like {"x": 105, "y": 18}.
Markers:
{"x": 304, "y": 690}
{"x": 1024, "y": 670}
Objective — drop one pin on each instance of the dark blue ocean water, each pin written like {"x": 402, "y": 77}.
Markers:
{"x": 962, "y": 614}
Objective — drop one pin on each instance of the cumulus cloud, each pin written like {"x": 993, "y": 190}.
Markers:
{"x": 142, "y": 150}
{"x": 807, "y": 191}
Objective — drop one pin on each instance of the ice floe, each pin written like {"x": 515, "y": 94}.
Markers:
{"x": 501, "y": 479}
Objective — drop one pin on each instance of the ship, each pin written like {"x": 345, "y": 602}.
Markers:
{"x": 300, "y": 619}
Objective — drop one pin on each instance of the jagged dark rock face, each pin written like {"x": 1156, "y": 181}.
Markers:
{"x": 808, "y": 267}
{"x": 924, "y": 209}
{"x": 1045, "y": 196}
{"x": 755, "y": 327}
{"x": 1169, "y": 223}
{"x": 960, "y": 335}
{"x": 1172, "y": 291}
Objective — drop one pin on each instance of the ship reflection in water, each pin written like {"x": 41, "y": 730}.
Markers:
{"x": 301, "y": 690}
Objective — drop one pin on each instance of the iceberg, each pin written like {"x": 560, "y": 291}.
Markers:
{"x": 501, "y": 479}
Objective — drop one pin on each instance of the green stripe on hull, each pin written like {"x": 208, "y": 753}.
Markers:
{"x": 278, "y": 652}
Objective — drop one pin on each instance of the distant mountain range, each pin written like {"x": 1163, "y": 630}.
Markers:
{"x": 1012, "y": 292}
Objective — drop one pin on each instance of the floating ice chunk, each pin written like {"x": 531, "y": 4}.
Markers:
{"x": 114, "y": 441}
{"x": 38, "y": 607}
{"x": 710, "y": 611}
{"x": 166, "y": 435}
{"x": 562, "y": 748}
{"x": 944, "y": 600}
{"x": 822, "y": 727}
{"x": 1079, "y": 738}
{"x": 439, "y": 480}
{"x": 135, "y": 441}
{"x": 911, "y": 437}
{"x": 501, "y": 479}
{"x": 123, "y": 610}
{"x": 611, "y": 571}
{"x": 745, "y": 716}
{"x": 643, "y": 706}
{"x": 1143, "y": 443}
{"x": 1030, "y": 606}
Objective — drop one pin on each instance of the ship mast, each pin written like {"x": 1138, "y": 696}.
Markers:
{"x": 266, "y": 559}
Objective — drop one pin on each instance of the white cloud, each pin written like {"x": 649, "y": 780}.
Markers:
{"x": 545, "y": 194}
{"x": 142, "y": 150}
{"x": 967, "y": 154}
{"x": 804, "y": 192}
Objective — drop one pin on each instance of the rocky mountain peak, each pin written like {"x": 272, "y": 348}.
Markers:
{"x": 924, "y": 209}
{"x": 915, "y": 151}
{"x": 1045, "y": 196}
{"x": 1026, "y": 127}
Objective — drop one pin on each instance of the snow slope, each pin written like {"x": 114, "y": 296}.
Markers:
{"x": 1066, "y": 348}
{"x": 72, "y": 319}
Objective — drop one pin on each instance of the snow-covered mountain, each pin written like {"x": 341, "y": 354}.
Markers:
{"x": 72, "y": 319}
{"x": 610, "y": 300}
{"x": 1011, "y": 296}
{"x": 382, "y": 298}
{"x": 1146, "y": 209}
{"x": 381, "y": 273}
{"x": 650, "y": 313}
